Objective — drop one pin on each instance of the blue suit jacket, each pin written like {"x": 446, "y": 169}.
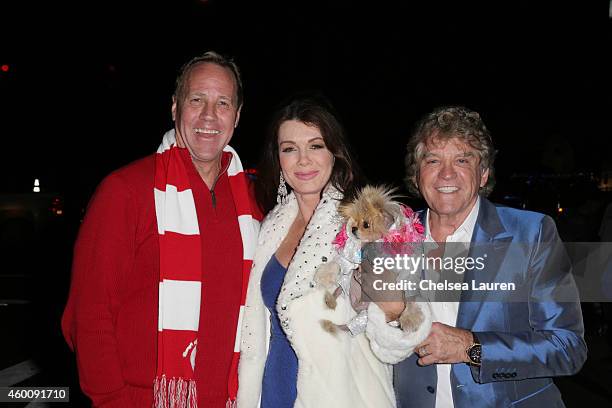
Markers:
{"x": 524, "y": 344}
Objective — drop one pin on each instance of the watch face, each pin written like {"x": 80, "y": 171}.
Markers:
{"x": 475, "y": 353}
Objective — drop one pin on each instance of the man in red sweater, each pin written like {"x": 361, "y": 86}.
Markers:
{"x": 162, "y": 258}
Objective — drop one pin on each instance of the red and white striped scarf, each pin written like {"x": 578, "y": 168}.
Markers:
{"x": 180, "y": 277}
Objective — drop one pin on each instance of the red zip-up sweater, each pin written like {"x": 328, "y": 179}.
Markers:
{"x": 111, "y": 317}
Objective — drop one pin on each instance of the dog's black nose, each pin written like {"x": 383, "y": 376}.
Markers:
{"x": 354, "y": 230}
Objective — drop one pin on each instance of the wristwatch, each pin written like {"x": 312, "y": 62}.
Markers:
{"x": 474, "y": 351}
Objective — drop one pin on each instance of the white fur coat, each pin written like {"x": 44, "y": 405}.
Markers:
{"x": 339, "y": 371}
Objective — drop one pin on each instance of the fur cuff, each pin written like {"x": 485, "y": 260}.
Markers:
{"x": 390, "y": 344}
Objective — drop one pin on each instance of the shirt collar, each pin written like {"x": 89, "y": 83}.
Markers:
{"x": 467, "y": 226}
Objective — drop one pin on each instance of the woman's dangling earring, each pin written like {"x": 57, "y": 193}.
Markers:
{"x": 281, "y": 196}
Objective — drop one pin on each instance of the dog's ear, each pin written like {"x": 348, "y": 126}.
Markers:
{"x": 347, "y": 210}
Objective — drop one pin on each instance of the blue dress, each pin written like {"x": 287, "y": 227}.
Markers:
{"x": 279, "y": 388}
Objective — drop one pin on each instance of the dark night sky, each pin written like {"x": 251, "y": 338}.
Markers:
{"x": 90, "y": 85}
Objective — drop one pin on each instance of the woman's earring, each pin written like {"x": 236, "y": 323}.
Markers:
{"x": 281, "y": 196}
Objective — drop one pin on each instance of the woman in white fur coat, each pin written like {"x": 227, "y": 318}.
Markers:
{"x": 287, "y": 359}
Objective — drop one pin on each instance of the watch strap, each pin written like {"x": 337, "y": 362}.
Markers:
{"x": 474, "y": 351}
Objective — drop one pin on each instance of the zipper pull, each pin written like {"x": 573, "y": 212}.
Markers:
{"x": 214, "y": 198}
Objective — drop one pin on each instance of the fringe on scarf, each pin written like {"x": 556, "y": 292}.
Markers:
{"x": 231, "y": 403}
{"x": 174, "y": 393}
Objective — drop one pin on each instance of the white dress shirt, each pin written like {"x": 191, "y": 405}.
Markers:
{"x": 446, "y": 312}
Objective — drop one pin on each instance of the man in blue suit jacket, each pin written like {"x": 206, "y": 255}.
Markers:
{"x": 487, "y": 353}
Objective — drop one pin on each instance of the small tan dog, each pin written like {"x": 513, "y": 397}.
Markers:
{"x": 373, "y": 216}
{"x": 372, "y": 213}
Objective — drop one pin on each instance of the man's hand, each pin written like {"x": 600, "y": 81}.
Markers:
{"x": 444, "y": 345}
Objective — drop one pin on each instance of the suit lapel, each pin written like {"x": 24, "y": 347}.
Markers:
{"x": 490, "y": 241}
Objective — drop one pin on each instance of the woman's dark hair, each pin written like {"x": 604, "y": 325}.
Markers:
{"x": 313, "y": 111}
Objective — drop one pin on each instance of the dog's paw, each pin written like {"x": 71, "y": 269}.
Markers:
{"x": 333, "y": 328}
{"x": 330, "y": 300}
{"x": 329, "y": 326}
{"x": 411, "y": 318}
{"x": 327, "y": 274}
